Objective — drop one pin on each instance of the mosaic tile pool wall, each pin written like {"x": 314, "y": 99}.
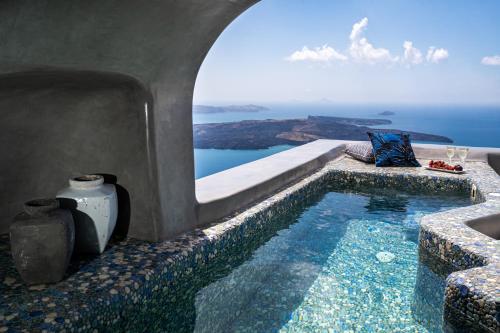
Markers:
{"x": 137, "y": 286}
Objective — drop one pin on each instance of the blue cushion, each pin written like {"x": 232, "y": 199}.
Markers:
{"x": 391, "y": 149}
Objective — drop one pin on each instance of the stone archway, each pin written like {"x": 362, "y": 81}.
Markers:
{"x": 135, "y": 62}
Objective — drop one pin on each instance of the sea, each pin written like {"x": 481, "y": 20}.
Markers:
{"x": 477, "y": 126}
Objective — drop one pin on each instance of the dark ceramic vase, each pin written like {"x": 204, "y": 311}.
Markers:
{"x": 42, "y": 239}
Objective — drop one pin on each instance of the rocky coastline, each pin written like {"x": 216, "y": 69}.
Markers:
{"x": 261, "y": 134}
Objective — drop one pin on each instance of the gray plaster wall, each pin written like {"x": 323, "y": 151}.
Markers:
{"x": 494, "y": 161}
{"x": 61, "y": 124}
{"x": 157, "y": 46}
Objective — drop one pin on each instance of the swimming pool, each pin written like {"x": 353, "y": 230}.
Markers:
{"x": 347, "y": 263}
{"x": 266, "y": 267}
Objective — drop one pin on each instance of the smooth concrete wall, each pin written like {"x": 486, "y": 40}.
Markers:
{"x": 158, "y": 43}
{"x": 494, "y": 161}
{"x": 61, "y": 124}
{"x": 231, "y": 190}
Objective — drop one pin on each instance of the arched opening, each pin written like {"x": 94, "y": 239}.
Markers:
{"x": 396, "y": 68}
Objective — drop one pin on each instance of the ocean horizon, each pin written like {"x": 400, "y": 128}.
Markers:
{"x": 477, "y": 126}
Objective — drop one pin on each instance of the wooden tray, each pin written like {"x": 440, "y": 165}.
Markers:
{"x": 448, "y": 171}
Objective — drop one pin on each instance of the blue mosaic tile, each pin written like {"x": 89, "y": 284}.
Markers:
{"x": 132, "y": 286}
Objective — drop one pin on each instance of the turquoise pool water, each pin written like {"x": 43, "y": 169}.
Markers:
{"x": 331, "y": 271}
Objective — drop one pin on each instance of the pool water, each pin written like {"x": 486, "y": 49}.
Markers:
{"x": 349, "y": 263}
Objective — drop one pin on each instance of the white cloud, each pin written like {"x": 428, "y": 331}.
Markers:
{"x": 436, "y": 55}
{"x": 412, "y": 55}
{"x": 358, "y": 28}
{"x": 362, "y": 50}
{"x": 319, "y": 54}
{"x": 491, "y": 61}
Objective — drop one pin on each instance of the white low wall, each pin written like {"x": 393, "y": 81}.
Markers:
{"x": 221, "y": 194}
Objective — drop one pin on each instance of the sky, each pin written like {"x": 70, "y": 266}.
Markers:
{"x": 357, "y": 51}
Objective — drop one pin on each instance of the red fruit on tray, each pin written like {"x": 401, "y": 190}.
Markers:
{"x": 444, "y": 166}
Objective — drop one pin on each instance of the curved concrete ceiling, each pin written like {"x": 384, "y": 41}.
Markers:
{"x": 158, "y": 44}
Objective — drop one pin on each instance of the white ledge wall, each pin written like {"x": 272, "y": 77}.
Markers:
{"x": 224, "y": 193}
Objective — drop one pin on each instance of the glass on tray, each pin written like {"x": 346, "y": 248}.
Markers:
{"x": 450, "y": 152}
{"x": 462, "y": 154}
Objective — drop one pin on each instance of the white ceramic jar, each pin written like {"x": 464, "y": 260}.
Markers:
{"x": 95, "y": 209}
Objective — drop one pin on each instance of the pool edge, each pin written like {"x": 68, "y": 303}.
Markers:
{"x": 198, "y": 248}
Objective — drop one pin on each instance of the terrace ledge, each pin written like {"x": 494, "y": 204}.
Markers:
{"x": 226, "y": 192}
{"x": 229, "y": 191}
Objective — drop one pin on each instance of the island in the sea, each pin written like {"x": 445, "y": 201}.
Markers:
{"x": 387, "y": 113}
{"x": 229, "y": 108}
{"x": 260, "y": 134}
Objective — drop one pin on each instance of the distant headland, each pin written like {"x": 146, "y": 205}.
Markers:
{"x": 260, "y": 134}
{"x": 387, "y": 113}
{"x": 229, "y": 108}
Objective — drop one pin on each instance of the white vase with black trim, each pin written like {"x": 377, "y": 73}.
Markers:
{"x": 95, "y": 209}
